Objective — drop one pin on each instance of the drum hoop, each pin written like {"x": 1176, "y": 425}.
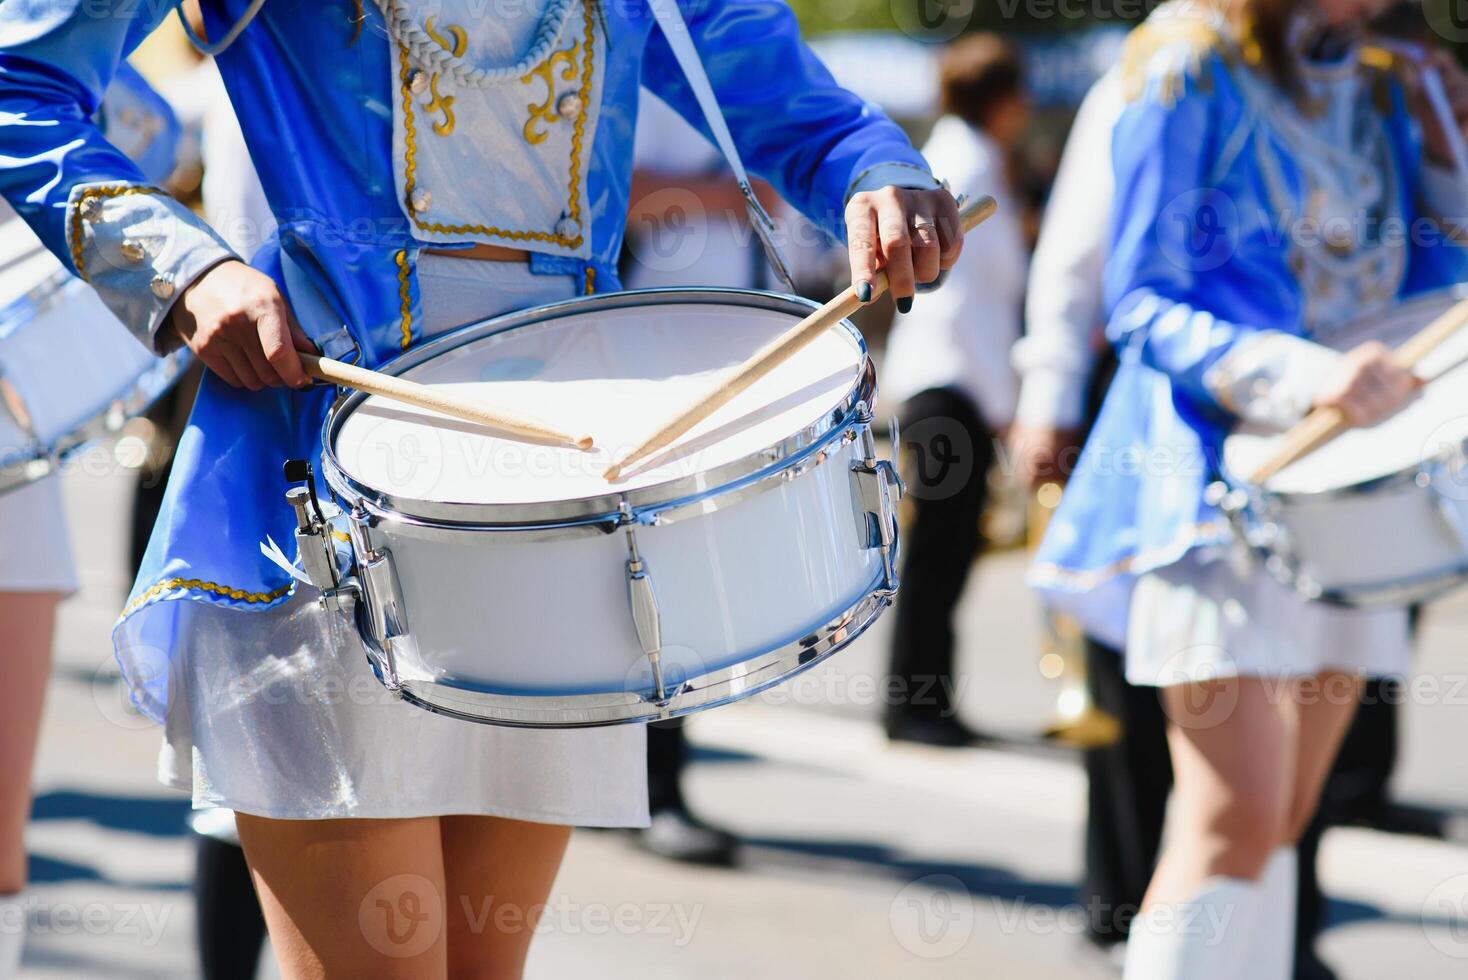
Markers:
{"x": 747, "y": 474}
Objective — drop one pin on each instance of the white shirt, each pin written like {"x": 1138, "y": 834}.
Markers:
{"x": 960, "y": 336}
{"x": 695, "y": 248}
{"x": 1063, "y": 309}
{"x": 234, "y": 201}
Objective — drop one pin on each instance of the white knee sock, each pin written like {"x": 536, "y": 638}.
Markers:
{"x": 1204, "y": 938}
{"x": 1272, "y": 956}
{"x": 12, "y": 935}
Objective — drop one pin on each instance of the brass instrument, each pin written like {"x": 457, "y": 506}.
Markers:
{"x": 1077, "y": 721}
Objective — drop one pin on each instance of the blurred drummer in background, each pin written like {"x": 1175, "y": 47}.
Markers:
{"x": 948, "y": 363}
{"x": 1241, "y": 116}
{"x": 36, "y": 568}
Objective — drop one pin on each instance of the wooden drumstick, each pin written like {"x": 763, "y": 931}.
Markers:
{"x": 775, "y": 353}
{"x": 426, "y": 396}
{"x": 1324, "y": 424}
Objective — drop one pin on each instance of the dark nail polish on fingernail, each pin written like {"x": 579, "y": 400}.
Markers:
{"x": 864, "y": 291}
{"x": 904, "y": 305}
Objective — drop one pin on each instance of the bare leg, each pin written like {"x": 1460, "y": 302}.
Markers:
{"x": 1325, "y": 706}
{"x": 30, "y": 625}
{"x": 351, "y": 898}
{"x": 499, "y": 874}
{"x": 1232, "y": 745}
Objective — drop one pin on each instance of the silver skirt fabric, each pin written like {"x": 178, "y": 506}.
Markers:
{"x": 35, "y": 549}
{"x": 1217, "y": 613}
{"x": 307, "y": 732}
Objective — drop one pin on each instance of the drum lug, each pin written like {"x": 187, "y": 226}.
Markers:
{"x": 646, "y": 617}
{"x": 380, "y": 588}
{"x": 878, "y": 487}
{"x": 385, "y": 595}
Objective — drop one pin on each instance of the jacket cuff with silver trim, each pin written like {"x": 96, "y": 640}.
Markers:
{"x": 1271, "y": 378}
{"x": 892, "y": 175}
{"x": 140, "y": 249}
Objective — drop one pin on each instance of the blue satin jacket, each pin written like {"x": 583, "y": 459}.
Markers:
{"x": 1206, "y": 255}
{"x": 377, "y": 129}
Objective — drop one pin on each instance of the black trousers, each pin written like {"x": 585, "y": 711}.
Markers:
{"x": 946, "y": 453}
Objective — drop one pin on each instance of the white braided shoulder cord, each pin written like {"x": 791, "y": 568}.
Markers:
{"x": 429, "y": 53}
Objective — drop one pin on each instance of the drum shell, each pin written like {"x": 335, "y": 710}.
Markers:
{"x": 69, "y": 370}
{"x": 1396, "y": 541}
{"x": 523, "y": 612}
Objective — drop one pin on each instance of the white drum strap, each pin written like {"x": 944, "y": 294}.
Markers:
{"x": 675, "y": 29}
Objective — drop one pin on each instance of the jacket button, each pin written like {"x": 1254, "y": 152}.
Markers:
{"x": 421, "y": 199}
{"x": 162, "y": 286}
{"x": 568, "y": 228}
{"x": 569, "y": 105}
{"x": 90, "y": 208}
{"x": 133, "y": 250}
{"x": 417, "y": 81}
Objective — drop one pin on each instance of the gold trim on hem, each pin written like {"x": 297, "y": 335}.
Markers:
{"x": 199, "y": 585}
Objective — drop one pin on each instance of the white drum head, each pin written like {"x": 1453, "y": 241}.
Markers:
{"x": 615, "y": 374}
{"x": 1434, "y": 423}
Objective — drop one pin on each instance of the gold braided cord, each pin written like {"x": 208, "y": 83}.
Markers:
{"x": 405, "y": 298}
{"x": 104, "y": 191}
{"x": 199, "y": 585}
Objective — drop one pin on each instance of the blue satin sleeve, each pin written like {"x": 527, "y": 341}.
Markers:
{"x": 793, "y": 125}
{"x": 1173, "y": 240}
{"x": 57, "y": 57}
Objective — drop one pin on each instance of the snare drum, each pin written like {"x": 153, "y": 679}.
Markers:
{"x": 1378, "y": 516}
{"x": 509, "y": 583}
{"x": 69, "y": 370}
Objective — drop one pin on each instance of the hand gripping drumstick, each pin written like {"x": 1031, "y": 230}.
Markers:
{"x": 1324, "y": 424}
{"x": 776, "y": 352}
{"x": 425, "y": 396}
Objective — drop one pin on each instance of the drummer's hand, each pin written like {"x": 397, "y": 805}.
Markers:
{"x": 1368, "y": 385}
{"x": 236, "y": 321}
{"x": 1455, "y": 85}
{"x": 1042, "y": 454}
{"x": 913, "y": 234}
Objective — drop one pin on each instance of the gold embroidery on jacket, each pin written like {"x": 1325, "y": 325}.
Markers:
{"x": 578, "y": 137}
{"x": 444, "y": 104}
{"x": 546, "y": 111}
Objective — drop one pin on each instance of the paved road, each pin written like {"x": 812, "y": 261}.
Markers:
{"x": 864, "y": 861}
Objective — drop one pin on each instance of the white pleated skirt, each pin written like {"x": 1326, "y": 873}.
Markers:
{"x": 277, "y": 713}
{"x": 1217, "y": 613}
